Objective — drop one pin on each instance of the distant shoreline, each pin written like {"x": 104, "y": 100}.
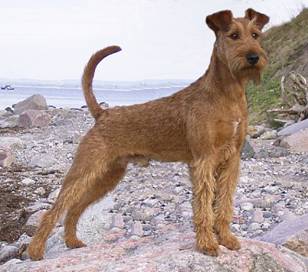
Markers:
{"x": 72, "y": 97}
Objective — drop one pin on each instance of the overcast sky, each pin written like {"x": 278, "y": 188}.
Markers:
{"x": 161, "y": 39}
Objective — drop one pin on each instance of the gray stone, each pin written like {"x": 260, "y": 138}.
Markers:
{"x": 246, "y": 206}
{"x": 53, "y": 195}
{"x": 28, "y": 181}
{"x": 7, "y": 253}
{"x": 269, "y": 135}
{"x": 281, "y": 233}
{"x": 254, "y": 226}
{"x": 33, "y": 118}
{"x": 293, "y": 128}
{"x": 247, "y": 151}
{"x": 40, "y": 191}
{"x": 34, "y": 102}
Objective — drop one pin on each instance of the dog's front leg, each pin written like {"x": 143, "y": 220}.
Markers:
{"x": 227, "y": 176}
{"x": 203, "y": 181}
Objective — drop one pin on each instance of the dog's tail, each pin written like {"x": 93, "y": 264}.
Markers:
{"x": 88, "y": 75}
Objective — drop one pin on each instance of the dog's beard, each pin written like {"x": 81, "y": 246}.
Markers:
{"x": 253, "y": 75}
{"x": 249, "y": 73}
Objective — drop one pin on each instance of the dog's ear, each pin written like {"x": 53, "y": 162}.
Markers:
{"x": 260, "y": 19}
{"x": 220, "y": 21}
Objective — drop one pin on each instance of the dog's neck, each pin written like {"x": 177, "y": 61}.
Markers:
{"x": 225, "y": 82}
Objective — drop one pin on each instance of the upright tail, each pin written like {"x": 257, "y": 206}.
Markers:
{"x": 88, "y": 75}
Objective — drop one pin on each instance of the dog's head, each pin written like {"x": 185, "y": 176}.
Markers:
{"x": 238, "y": 42}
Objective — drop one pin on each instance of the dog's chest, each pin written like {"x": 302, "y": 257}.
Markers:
{"x": 230, "y": 132}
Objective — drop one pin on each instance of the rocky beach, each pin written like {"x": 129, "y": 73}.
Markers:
{"x": 145, "y": 224}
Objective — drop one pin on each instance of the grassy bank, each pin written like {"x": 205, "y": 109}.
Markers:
{"x": 287, "y": 47}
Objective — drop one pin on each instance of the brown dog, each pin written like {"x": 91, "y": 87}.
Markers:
{"x": 203, "y": 125}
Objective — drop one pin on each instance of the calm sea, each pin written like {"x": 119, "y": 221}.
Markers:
{"x": 71, "y": 97}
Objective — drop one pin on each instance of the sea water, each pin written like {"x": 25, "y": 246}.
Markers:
{"x": 72, "y": 97}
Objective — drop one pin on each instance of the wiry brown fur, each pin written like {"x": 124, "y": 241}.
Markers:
{"x": 203, "y": 125}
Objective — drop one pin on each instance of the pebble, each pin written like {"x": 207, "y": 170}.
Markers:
{"x": 53, "y": 195}
{"x": 258, "y": 216}
{"x": 117, "y": 221}
{"x": 246, "y": 206}
{"x": 40, "y": 191}
{"x": 254, "y": 226}
{"x": 27, "y": 181}
{"x": 137, "y": 229}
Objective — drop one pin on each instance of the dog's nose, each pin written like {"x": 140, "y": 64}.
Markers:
{"x": 252, "y": 58}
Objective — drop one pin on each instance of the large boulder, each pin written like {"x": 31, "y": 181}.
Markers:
{"x": 34, "y": 102}
{"x": 34, "y": 118}
{"x": 297, "y": 141}
{"x": 173, "y": 251}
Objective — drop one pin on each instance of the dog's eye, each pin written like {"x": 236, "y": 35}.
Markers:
{"x": 255, "y": 35}
{"x": 234, "y": 36}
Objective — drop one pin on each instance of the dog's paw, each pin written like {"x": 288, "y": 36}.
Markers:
{"x": 230, "y": 241}
{"x": 74, "y": 243}
{"x": 35, "y": 252}
{"x": 209, "y": 247}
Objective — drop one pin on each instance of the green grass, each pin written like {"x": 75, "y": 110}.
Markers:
{"x": 284, "y": 45}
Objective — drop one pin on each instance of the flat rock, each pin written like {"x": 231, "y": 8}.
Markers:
{"x": 34, "y": 102}
{"x": 283, "y": 231}
{"x": 173, "y": 251}
{"x": 293, "y": 128}
{"x": 34, "y": 118}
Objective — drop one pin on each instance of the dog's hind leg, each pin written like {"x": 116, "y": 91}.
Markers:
{"x": 223, "y": 205}
{"x": 203, "y": 181}
{"x": 91, "y": 163}
{"x": 99, "y": 189}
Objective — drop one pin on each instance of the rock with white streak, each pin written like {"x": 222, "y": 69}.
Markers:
{"x": 34, "y": 118}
